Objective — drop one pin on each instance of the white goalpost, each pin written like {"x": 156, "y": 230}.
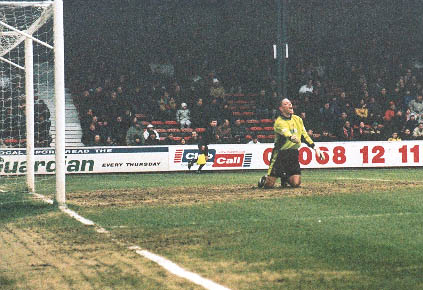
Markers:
{"x": 32, "y": 47}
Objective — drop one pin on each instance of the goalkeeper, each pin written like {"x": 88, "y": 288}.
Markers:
{"x": 289, "y": 132}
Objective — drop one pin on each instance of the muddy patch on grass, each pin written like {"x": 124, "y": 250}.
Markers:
{"x": 202, "y": 194}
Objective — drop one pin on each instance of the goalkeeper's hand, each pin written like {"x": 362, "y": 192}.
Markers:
{"x": 319, "y": 153}
{"x": 294, "y": 139}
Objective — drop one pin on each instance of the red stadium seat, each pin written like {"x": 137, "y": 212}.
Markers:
{"x": 187, "y": 130}
{"x": 236, "y": 114}
{"x": 145, "y": 123}
{"x": 252, "y": 121}
{"x": 256, "y": 128}
{"x": 200, "y": 130}
{"x": 249, "y": 114}
{"x": 171, "y": 123}
{"x": 266, "y": 121}
{"x": 173, "y": 130}
{"x": 155, "y": 123}
{"x": 161, "y": 130}
{"x": 177, "y": 138}
{"x": 268, "y": 128}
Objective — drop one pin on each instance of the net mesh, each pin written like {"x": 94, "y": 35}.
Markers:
{"x": 35, "y": 19}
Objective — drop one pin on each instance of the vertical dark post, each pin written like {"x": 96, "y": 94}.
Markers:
{"x": 281, "y": 47}
{"x": 284, "y": 48}
{"x": 279, "y": 50}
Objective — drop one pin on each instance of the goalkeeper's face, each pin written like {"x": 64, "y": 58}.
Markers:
{"x": 286, "y": 108}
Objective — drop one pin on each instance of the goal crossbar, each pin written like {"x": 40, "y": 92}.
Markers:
{"x": 43, "y": 18}
{"x": 26, "y": 3}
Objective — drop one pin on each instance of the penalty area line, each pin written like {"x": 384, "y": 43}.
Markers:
{"x": 376, "y": 179}
{"x": 161, "y": 261}
{"x": 177, "y": 270}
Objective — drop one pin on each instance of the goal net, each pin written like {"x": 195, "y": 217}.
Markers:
{"x": 31, "y": 49}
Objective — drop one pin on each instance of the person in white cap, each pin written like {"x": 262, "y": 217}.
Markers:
{"x": 183, "y": 116}
{"x": 150, "y": 129}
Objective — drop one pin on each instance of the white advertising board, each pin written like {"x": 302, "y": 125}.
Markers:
{"x": 221, "y": 157}
{"x": 89, "y": 160}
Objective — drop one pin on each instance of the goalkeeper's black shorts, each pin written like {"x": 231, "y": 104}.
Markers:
{"x": 285, "y": 161}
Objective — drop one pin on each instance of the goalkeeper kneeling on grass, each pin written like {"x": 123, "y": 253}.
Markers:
{"x": 201, "y": 160}
{"x": 289, "y": 132}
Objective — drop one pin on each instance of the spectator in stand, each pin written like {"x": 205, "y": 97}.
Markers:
{"x": 98, "y": 141}
{"x": 138, "y": 140}
{"x": 88, "y": 136}
{"x": 394, "y": 137}
{"x": 361, "y": 133}
{"x": 164, "y": 107}
{"x": 339, "y": 126}
{"x": 195, "y": 139}
{"x": 225, "y": 132}
{"x": 416, "y": 105}
{"x": 306, "y": 88}
{"x": 119, "y": 129}
{"x": 347, "y": 133}
{"x": 41, "y": 108}
{"x": 183, "y": 116}
{"x": 326, "y": 137}
{"x": 104, "y": 129}
{"x": 198, "y": 113}
{"x": 376, "y": 132}
{"x": 361, "y": 112}
{"x": 406, "y": 135}
{"x": 109, "y": 141}
{"x": 152, "y": 139}
{"x": 391, "y": 119}
{"x": 217, "y": 90}
{"x": 254, "y": 140}
{"x": 173, "y": 107}
{"x": 114, "y": 106}
{"x": 211, "y": 136}
{"x": 149, "y": 131}
{"x": 239, "y": 131}
{"x": 418, "y": 132}
{"x": 182, "y": 141}
{"x": 86, "y": 119}
{"x": 135, "y": 134}
{"x": 169, "y": 140}
{"x": 326, "y": 118}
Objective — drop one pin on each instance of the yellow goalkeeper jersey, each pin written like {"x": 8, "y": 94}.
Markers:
{"x": 286, "y": 127}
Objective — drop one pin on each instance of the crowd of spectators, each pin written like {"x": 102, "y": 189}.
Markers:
{"x": 338, "y": 101}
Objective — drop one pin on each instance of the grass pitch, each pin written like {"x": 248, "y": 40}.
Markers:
{"x": 343, "y": 229}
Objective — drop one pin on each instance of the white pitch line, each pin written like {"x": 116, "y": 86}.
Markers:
{"x": 43, "y": 198}
{"x": 161, "y": 261}
{"x": 177, "y": 270}
{"x": 361, "y": 216}
{"x": 375, "y": 179}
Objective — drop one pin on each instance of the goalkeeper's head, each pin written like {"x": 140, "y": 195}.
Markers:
{"x": 286, "y": 108}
